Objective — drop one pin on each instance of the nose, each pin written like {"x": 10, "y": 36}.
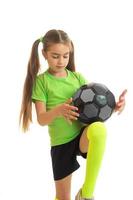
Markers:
{"x": 60, "y": 61}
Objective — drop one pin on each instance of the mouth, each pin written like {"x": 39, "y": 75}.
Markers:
{"x": 59, "y": 66}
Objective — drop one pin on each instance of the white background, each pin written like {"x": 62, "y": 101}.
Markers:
{"x": 102, "y": 32}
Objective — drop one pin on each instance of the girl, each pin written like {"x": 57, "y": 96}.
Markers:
{"x": 51, "y": 92}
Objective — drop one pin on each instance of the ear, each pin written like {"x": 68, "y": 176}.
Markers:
{"x": 44, "y": 54}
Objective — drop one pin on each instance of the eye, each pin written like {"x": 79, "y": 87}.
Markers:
{"x": 55, "y": 57}
{"x": 66, "y": 56}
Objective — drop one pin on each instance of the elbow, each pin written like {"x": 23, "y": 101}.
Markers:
{"x": 40, "y": 122}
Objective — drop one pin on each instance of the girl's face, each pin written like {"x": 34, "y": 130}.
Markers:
{"x": 57, "y": 57}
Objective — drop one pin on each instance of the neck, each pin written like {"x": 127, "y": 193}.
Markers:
{"x": 61, "y": 73}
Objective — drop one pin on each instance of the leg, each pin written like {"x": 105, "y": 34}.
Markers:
{"x": 84, "y": 142}
{"x": 96, "y": 136}
{"x": 63, "y": 188}
{"x": 64, "y": 163}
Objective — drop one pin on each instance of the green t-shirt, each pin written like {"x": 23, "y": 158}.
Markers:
{"x": 57, "y": 90}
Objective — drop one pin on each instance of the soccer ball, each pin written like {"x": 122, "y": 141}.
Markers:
{"x": 95, "y": 102}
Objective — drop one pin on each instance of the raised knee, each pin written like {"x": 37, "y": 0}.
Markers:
{"x": 96, "y": 131}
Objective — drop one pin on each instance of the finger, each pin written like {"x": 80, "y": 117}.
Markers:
{"x": 120, "y": 111}
{"x": 74, "y": 113}
{"x": 121, "y": 103}
{"x": 69, "y": 108}
{"x": 69, "y": 121}
{"x": 70, "y": 116}
{"x": 69, "y": 101}
{"x": 124, "y": 92}
{"x": 122, "y": 96}
{"x": 73, "y": 108}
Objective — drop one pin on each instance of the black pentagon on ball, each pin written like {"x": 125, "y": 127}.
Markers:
{"x": 95, "y": 102}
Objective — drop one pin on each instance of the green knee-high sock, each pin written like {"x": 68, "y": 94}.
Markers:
{"x": 96, "y": 134}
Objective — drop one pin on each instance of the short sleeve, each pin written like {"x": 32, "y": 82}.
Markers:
{"x": 82, "y": 79}
{"x": 39, "y": 91}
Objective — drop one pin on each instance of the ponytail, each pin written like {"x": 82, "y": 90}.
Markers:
{"x": 51, "y": 37}
{"x": 71, "y": 63}
{"x": 32, "y": 71}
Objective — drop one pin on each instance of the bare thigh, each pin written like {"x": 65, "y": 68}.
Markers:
{"x": 63, "y": 188}
{"x": 84, "y": 142}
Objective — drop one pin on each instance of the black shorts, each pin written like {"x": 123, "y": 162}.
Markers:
{"x": 64, "y": 157}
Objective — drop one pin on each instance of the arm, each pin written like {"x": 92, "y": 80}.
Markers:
{"x": 46, "y": 117}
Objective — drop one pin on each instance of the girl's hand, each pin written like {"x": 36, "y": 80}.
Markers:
{"x": 120, "y": 105}
{"x": 67, "y": 111}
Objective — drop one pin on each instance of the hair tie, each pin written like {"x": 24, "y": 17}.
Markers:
{"x": 41, "y": 39}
